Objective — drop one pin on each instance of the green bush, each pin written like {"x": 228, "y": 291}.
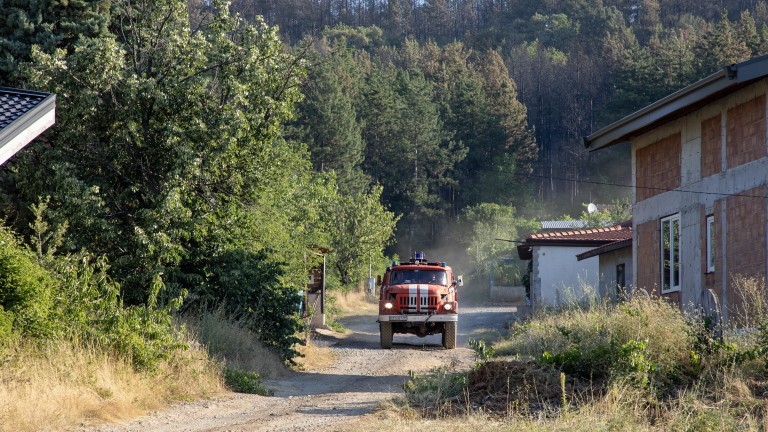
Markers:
{"x": 72, "y": 297}
{"x": 90, "y": 308}
{"x": 250, "y": 287}
{"x": 244, "y": 382}
{"x": 26, "y": 289}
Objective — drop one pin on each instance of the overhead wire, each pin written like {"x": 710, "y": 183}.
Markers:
{"x": 653, "y": 188}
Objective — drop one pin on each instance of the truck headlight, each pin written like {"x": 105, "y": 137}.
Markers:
{"x": 447, "y": 306}
{"x": 387, "y": 305}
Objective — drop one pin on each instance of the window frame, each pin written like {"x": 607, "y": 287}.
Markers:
{"x": 674, "y": 243}
{"x": 710, "y": 243}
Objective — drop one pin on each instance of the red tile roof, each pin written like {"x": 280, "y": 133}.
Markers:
{"x": 614, "y": 233}
{"x": 581, "y": 237}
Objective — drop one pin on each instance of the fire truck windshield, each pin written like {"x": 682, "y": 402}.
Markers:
{"x": 419, "y": 276}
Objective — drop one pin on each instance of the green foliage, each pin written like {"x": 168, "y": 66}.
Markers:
{"x": 47, "y": 24}
{"x": 428, "y": 390}
{"x": 329, "y": 122}
{"x": 360, "y": 227}
{"x": 188, "y": 129}
{"x": 618, "y": 212}
{"x": 7, "y": 335}
{"x": 72, "y": 297}
{"x": 249, "y": 286}
{"x": 168, "y": 160}
{"x": 482, "y": 351}
{"x": 90, "y": 308}
{"x": 614, "y": 359}
{"x": 244, "y": 382}
{"x": 27, "y": 290}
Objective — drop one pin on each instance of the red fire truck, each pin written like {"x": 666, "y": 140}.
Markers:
{"x": 419, "y": 297}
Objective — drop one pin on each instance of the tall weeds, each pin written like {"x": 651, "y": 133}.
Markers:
{"x": 637, "y": 365}
{"x": 646, "y": 339}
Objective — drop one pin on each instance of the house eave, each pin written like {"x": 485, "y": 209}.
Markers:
{"x": 27, "y": 127}
{"x": 610, "y": 247}
{"x": 679, "y": 103}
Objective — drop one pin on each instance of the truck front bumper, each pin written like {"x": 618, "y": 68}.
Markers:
{"x": 419, "y": 318}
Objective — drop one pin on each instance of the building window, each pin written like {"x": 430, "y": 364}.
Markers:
{"x": 621, "y": 282}
{"x": 670, "y": 254}
{"x": 710, "y": 244}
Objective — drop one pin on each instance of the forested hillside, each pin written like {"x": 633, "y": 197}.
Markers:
{"x": 575, "y": 65}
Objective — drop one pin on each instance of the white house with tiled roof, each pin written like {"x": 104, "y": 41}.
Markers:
{"x": 557, "y": 276}
{"x": 23, "y": 116}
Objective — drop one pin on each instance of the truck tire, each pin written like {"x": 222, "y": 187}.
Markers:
{"x": 449, "y": 335}
{"x": 385, "y": 332}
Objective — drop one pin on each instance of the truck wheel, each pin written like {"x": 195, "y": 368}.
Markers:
{"x": 449, "y": 335}
{"x": 385, "y": 332}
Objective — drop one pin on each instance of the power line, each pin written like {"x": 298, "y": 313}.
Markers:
{"x": 640, "y": 187}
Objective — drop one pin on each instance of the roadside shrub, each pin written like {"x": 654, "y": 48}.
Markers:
{"x": 232, "y": 342}
{"x": 649, "y": 341}
{"x": 26, "y": 290}
{"x": 482, "y": 351}
{"x": 250, "y": 287}
{"x": 90, "y": 308}
{"x": 244, "y": 382}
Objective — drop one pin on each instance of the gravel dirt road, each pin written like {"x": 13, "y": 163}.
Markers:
{"x": 334, "y": 398}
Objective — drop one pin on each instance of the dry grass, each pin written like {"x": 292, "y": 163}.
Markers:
{"x": 315, "y": 356}
{"x": 479, "y": 422}
{"x": 356, "y": 303}
{"x": 64, "y": 384}
{"x": 752, "y": 310}
{"x": 233, "y": 344}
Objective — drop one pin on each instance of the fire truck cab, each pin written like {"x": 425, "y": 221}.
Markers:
{"x": 420, "y": 298}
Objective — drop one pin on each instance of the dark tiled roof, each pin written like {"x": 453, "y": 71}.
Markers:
{"x": 16, "y": 103}
{"x": 24, "y": 115}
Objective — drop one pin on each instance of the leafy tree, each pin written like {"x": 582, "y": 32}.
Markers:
{"x": 145, "y": 158}
{"x": 168, "y": 159}
{"x": 250, "y": 286}
{"x": 719, "y": 47}
{"x": 361, "y": 227}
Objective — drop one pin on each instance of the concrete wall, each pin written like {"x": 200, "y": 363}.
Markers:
{"x": 558, "y": 278}
{"x": 607, "y": 263}
{"x": 731, "y": 133}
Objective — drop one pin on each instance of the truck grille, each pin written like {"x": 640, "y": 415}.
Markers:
{"x": 414, "y": 303}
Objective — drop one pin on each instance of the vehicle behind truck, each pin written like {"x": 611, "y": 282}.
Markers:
{"x": 420, "y": 298}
